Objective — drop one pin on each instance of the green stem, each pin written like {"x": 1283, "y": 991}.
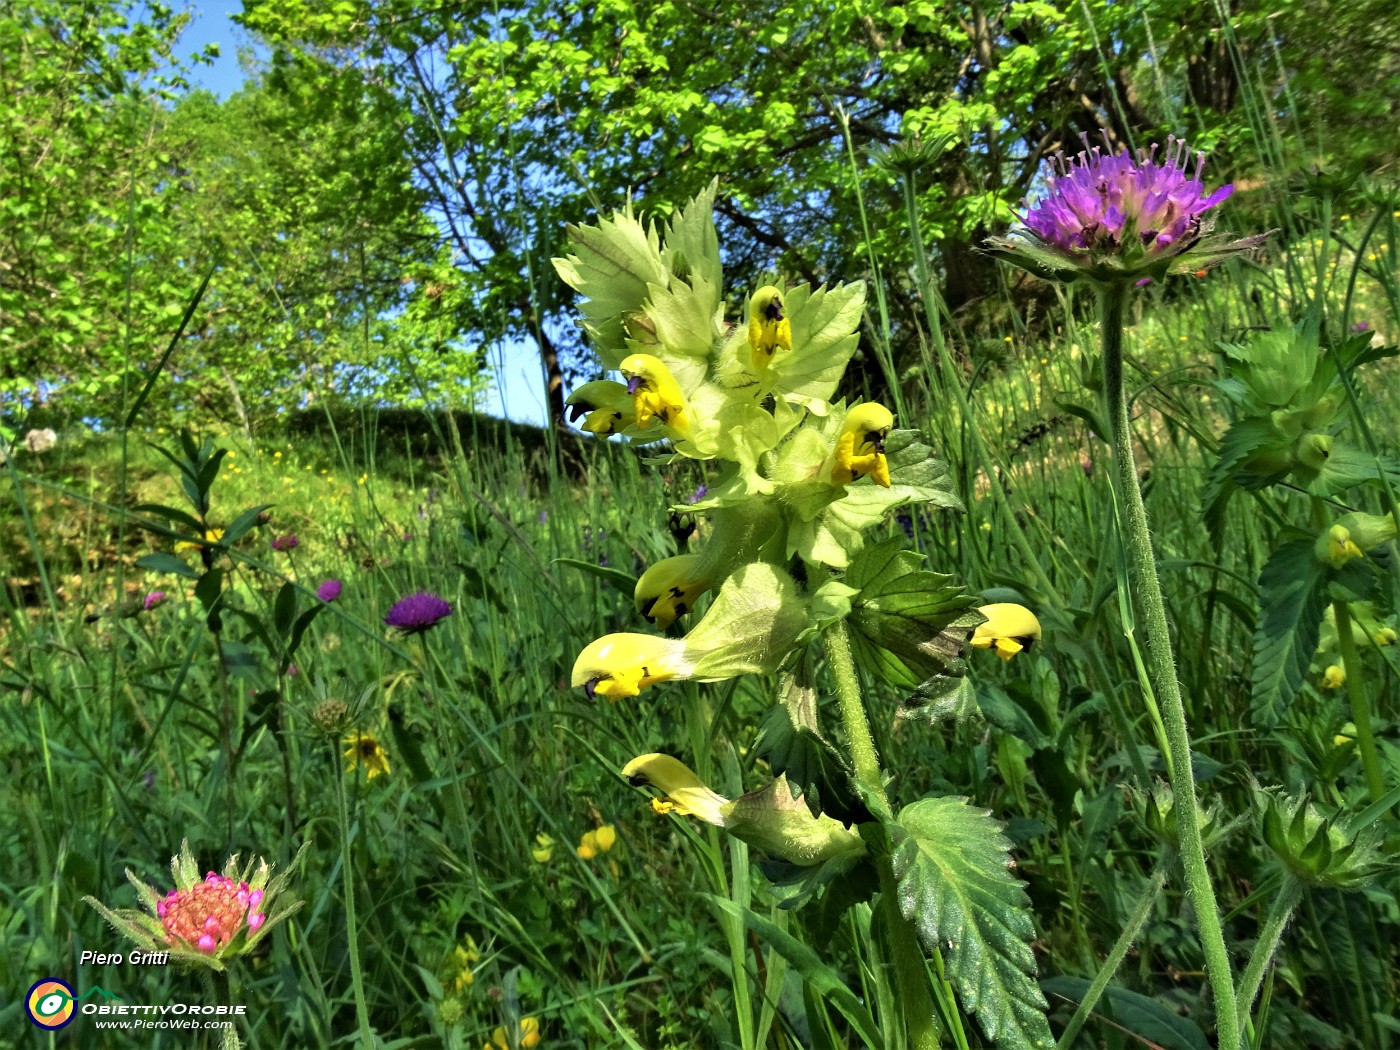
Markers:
{"x": 1360, "y": 707}
{"x": 1280, "y": 911}
{"x": 1161, "y": 666}
{"x": 352, "y": 935}
{"x": 911, "y": 976}
{"x": 1120, "y": 949}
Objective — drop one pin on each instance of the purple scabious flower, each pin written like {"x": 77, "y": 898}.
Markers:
{"x": 1113, "y": 216}
{"x": 329, "y": 590}
{"x": 285, "y": 543}
{"x": 153, "y": 599}
{"x": 417, "y": 612}
{"x": 1098, "y": 201}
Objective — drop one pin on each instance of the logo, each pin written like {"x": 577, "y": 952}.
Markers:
{"x": 49, "y": 1003}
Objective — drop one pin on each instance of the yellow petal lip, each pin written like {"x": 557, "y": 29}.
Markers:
{"x": 770, "y": 329}
{"x": 685, "y": 792}
{"x": 655, "y": 392}
{"x": 621, "y": 665}
{"x": 1009, "y": 629}
{"x": 860, "y": 448}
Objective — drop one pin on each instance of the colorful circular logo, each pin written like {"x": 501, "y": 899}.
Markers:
{"x": 50, "y": 1003}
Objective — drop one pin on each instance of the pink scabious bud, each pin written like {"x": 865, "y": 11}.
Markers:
{"x": 255, "y": 920}
{"x": 207, "y": 943}
{"x": 153, "y": 599}
{"x": 285, "y": 543}
{"x": 1109, "y": 216}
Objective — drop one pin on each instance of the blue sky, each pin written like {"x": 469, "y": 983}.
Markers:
{"x": 519, "y": 393}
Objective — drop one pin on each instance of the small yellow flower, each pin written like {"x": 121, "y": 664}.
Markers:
{"x": 1340, "y": 547}
{"x": 1009, "y": 629}
{"x": 527, "y": 1038}
{"x": 365, "y": 750}
{"x": 860, "y": 450}
{"x": 543, "y": 849}
{"x": 211, "y": 536}
{"x": 655, "y": 393}
{"x": 620, "y": 665}
{"x": 1334, "y": 677}
{"x": 598, "y": 841}
{"x": 769, "y": 328}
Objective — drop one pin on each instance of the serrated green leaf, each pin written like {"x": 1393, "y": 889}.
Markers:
{"x": 824, "y": 336}
{"x": 1152, "y": 1022}
{"x": 790, "y": 739}
{"x": 821, "y": 977}
{"x": 1242, "y": 441}
{"x": 954, "y": 886}
{"x": 942, "y": 698}
{"x": 692, "y": 246}
{"x": 908, "y": 625}
{"x": 1292, "y": 598}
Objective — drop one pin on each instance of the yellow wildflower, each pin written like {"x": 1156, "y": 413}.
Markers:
{"x": 769, "y": 328}
{"x": 527, "y": 1037}
{"x": 1334, "y": 677}
{"x": 669, "y": 588}
{"x": 620, "y": 665}
{"x": 366, "y": 750}
{"x": 597, "y": 841}
{"x": 543, "y": 849}
{"x": 210, "y": 537}
{"x": 464, "y": 957}
{"x": 1009, "y": 629}
{"x": 860, "y": 450}
{"x": 655, "y": 393}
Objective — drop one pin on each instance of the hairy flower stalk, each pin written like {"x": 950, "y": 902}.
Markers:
{"x": 1161, "y": 666}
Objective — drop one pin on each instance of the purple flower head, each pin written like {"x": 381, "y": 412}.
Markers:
{"x": 329, "y": 590}
{"x": 417, "y": 612}
{"x": 153, "y": 599}
{"x": 285, "y": 543}
{"x": 1360, "y": 326}
{"x": 1115, "y": 215}
{"x": 698, "y": 494}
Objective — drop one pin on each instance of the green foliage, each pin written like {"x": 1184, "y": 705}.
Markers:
{"x": 951, "y": 862}
{"x": 1292, "y": 596}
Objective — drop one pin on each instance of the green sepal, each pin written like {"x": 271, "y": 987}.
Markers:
{"x": 752, "y": 625}
{"x": 825, "y": 324}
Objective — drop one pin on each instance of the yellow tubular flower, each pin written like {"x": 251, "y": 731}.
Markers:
{"x": 1009, "y": 629}
{"x": 860, "y": 450}
{"x": 619, "y": 665}
{"x": 543, "y": 849}
{"x": 1334, "y": 677}
{"x": 669, "y": 588}
{"x": 769, "y": 328}
{"x": 588, "y": 845}
{"x": 655, "y": 393}
{"x": 527, "y": 1038}
{"x": 685, "y": 792}
{"x": 606, "y": 407}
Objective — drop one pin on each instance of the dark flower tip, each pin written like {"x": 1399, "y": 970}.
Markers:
{"x": 417, "y": 612}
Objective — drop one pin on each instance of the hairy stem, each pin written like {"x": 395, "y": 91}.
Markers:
{"x": 1360, "y": 706}
{"x": 911, "y": 977}
{"x": 1280, "y": 911}
{"x": 1161, "y": 667}
{"x": 352, "y": 933}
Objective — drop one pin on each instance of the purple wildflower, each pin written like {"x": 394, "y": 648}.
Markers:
{"x": 285, "y": 543}
{"x": 417, "y": 612}
{"x": 1361, "y": 326}
{"x": 329, "y": 590}
{"x": 698, "y": 494}
{"x": 153, "y": 599}
{"x": 1115, "y": 215}
{"x": 1103, "y": 202}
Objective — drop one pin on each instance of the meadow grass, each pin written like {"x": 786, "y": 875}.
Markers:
{"x": 128, "y": 730}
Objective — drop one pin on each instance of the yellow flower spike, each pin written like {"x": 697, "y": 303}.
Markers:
{"x": 655, "y": 393}
{"x": 669, "y": 588}
{"x": 1334, "y": 677}
{"x": 621, "y": 665}
{"x": 1009, "y": 629}
{"x": 365, "y": 750}
{"x": 543, "y": 849}
{"x": 685, "y": 792}
{"x": 860, "y": 450}
{"x": 769, "y": 328}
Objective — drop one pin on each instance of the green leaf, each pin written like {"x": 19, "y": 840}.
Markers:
{"x": 954, "y": 886}
{"x": 908, "y": 624}
{"x": 942, "y": 698}
{"x": 284, "y": 608}
{"x": 824, "y": 326}
{"x": 1292, "y": 598}
{"x": 1241, "y": 442}
{"x": 166, "y": 563}
{"x": 822, "y": 978}
{"x": 692, "y": 247}
{"x": 625, "y": 583}
{"x": 791, "y": 740}
{"x": 241, "y": 524}
{"x": 172, "y": 514}
{"x": 1152, "y": 1022}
